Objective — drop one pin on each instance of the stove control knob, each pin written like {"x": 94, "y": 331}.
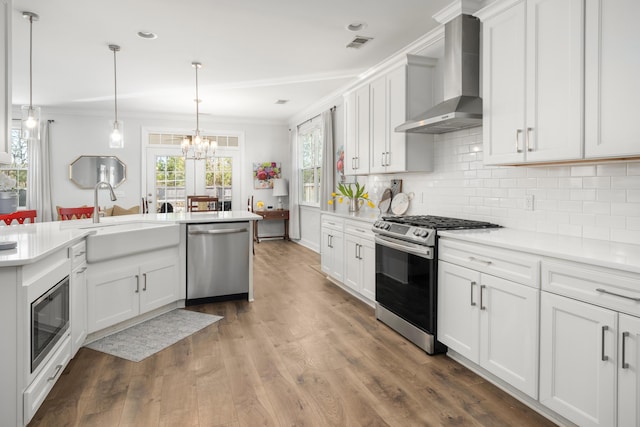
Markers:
{"x": 416, "y": 232}
{"x": 423, "y": 233}
{"x": 387, "y": 226}
{"x": 376, "y": 224}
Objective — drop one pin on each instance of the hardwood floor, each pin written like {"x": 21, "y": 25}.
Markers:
{"x": 304, "y": 353}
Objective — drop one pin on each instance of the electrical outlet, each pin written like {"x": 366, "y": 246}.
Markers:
{"x": 528, "y": 202}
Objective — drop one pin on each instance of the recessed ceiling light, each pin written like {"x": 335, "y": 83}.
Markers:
{"x": 281, "y": 101}
{"x": 356, "y": 26}
{"x": 147, "y": 35}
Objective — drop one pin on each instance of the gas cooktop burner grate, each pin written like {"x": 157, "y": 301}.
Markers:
{"x": 439, "y": 222}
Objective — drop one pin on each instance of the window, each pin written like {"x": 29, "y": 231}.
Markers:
{"x": 310, "y": 139}
{"x": 173, "y": 177}
{"x": 19, "y": 165}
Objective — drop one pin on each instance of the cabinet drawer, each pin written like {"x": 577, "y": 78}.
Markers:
{"x": 607, "y": 288}
{"x": 77, "y": 254}
{"x": 332, "y": 222}
{"x": 35, "y": 394}
{"x": 358, "y": 228}
{"x": 511, "y": 265}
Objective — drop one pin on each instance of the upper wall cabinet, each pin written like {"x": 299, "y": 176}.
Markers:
{"x": 5, "y": 74}
{"x": 357, "y": 128}
{"x": 612, "y": 83}
{"x": 373, "y": 111}
{"x": 532, "y": 81}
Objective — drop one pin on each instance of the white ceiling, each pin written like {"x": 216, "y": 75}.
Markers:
{"x": 253, "y": 52}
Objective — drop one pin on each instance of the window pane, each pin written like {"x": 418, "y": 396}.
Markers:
{"x": 170, "y": 182}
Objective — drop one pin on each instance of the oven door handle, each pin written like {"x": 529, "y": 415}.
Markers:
{"x": 421, "y": 251}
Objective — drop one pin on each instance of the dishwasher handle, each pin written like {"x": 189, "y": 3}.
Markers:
{"x": 224, "y": 231}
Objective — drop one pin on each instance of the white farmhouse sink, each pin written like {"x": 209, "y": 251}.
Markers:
{"x": 109, "y": 241}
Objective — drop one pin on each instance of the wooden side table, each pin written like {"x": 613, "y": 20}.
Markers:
{"x": 281, "y": 215}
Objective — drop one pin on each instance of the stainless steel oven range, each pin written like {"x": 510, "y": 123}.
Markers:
{"x": 406, "y": 274}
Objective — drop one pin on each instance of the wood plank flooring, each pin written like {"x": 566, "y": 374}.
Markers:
{"x": 304, "y": 353}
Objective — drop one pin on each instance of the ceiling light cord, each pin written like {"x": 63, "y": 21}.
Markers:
{"x": 115, "y": 84}
{"x": 31, "y": 62}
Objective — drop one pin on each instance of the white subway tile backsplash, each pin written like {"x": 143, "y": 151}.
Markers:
{"x": 612, "y": 169}
{"x": 583, "y": 170}
{"x": 599, "y": 201}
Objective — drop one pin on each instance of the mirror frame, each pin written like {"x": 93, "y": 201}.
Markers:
{"x": 85, "y": 174}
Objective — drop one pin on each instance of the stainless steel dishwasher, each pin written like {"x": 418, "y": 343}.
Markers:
{"x": 217, "y": 261}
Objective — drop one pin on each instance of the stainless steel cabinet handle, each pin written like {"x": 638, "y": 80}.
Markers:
{"x": 55, "y": 374}
{"x": 527, "y": 139}
{"x": 604, "y": 356}
{"x": 474, "y": 259}
{"x": 329, "y": 236}
{"x": 388, "y": 158}
{"x": 482, "y": 307}
{"x": 144, "y": 286}
{"x": 224, "y": 231}
{"x": 82, "y": 270}
{"x": 625, "y": 365}
{"x": 358, "y": 162}
{"x": 518, "y": 132}
{"x": 137, "y": 284}
{"x": 473, "y": 303}
{"x": 382, "y": 159}
{"x": 80, "y": 253}
{"x": 604, "y": 291}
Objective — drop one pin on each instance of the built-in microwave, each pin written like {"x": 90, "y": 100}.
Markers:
{"x": 49, "y": 321}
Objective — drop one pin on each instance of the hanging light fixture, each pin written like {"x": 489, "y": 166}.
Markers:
{"x": 30, "y": 115}
{"x": 116, "y": 138}
{"x": 197, "y": 147}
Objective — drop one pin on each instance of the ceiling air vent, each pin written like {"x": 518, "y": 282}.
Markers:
{"x": 359, "y": 41}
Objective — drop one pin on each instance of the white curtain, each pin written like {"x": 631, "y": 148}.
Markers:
{"x": 39, "y": 175}
{"x": 294, "y": 187}
{"x": 326, "y": 179}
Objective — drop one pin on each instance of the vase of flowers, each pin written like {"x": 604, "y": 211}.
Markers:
{"x": 8, "y": 194}
{"x": 356, "y": 198}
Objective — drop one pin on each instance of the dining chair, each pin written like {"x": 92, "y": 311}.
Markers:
{"x": 202, "y": 203}
{"x": 19, "y": 216}
{"x": 75, "y": 213}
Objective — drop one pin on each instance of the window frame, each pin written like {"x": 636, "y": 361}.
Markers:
{"x": 311, "y": 127}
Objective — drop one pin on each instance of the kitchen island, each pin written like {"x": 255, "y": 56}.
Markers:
{"x": 59, "y": 254}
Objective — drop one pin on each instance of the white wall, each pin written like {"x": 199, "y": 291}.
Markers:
{"x": 600, "y": 201}
{"x": 74, "y": 134}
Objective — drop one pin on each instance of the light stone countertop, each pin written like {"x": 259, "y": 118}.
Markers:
{"x": 603, "y": 253}
{"x": 36, "y": 241}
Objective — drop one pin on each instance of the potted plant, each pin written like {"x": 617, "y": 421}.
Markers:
{"x": 8, "y": 194}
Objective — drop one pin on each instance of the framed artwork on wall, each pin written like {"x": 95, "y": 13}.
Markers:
{"x": 264, "y": 173}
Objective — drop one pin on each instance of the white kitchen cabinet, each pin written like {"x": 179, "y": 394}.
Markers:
{"x": 78, "y": 296}
{"x": 578, "y": 355}
{"x": 121, "y": 290}
{"x": 396, "y": 97}
{"x": 588, "y": 314}
{"x": 492, "y": 322}
{"x": 360, "y": 259}
{"x": 629, "y": 370}
{"x": 357, "y": 131}
{"x": 611, "y": 78}
{"x": 532, "y": 81}
{"x": 332, "y": 249}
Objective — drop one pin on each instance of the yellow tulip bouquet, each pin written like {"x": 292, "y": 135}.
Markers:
{"x": 359, "y": 196}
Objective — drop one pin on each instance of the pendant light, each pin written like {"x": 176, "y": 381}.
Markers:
{"x": 30, "y": 124}
{"x": 116, "y": 139}
{"x": 197, "y": 147}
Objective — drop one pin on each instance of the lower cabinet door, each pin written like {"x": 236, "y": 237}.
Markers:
{"x": 629, "y": 371}
{"x": 112, "y": 297}
{"x": 578, "y": 360}
{"x": 78, "y": 307}
{"x": 352, "y": 264}
{"x": 509, "y": 332}
{"x": 458, "y": 305}
{"x": 158, "y": 284}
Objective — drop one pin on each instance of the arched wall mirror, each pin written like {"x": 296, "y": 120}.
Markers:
{"x": 87, "y": 171}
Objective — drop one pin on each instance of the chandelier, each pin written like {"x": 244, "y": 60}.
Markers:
{"x": 197, "y": 147}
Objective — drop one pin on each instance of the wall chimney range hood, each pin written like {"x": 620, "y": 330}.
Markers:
{"x": 462, "y": 107}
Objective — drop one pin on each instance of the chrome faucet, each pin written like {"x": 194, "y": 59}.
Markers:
{"x": 101, "y": 184}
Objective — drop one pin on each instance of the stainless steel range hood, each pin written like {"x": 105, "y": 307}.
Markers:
{"x": 463, "y": 106}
